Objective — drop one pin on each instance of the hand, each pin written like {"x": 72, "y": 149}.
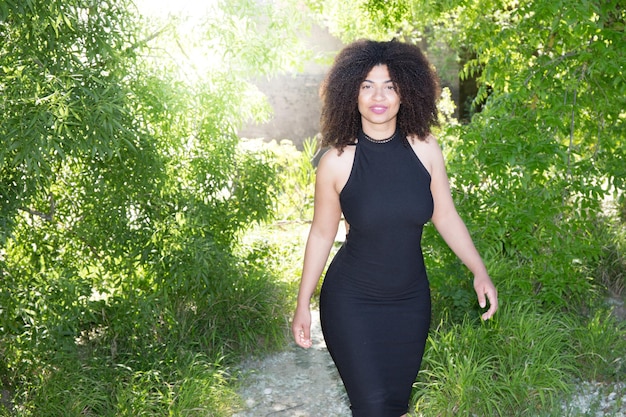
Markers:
{"x": 301, "y": 327}
{"x": 484, "y": 287}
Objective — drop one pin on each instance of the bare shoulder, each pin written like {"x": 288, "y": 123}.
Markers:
{"x": 334, "y": 159}
{"x": 428, "y": 151}
{"x": 335, "y": 166}
{"x": 334, "y": 154}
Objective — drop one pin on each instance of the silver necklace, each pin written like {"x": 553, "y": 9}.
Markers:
{"x": 389, "y": 139}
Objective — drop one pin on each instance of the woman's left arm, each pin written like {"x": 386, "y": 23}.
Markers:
{"x": 453, "y": 230}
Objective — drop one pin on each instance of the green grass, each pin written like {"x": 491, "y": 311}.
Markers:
{"x": 182, "y": 386}
{"x": 157, "y": 354}
{"x": 525, "y": 362}
{"x": 515, "y": 363}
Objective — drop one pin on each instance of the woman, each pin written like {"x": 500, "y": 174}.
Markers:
{"x": 385, "y": 173}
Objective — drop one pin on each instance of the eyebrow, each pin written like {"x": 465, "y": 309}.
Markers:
{"x": 384, "y": 82}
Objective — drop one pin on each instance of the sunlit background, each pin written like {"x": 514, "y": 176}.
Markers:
{"x": 182, "y": 23}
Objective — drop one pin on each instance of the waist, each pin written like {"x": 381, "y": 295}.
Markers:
{"x": 376, "y": 276}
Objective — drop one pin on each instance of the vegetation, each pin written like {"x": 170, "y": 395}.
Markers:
{"x": 537, "y": 169}
{"x": 124, "y": 195}
{"x": 132, "y": 279}
{"x": 544, "y": 148}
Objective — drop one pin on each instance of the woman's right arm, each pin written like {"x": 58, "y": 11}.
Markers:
{"x": 326, "y": 217}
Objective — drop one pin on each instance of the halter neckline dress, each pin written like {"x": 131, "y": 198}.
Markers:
{"x": 375, "y": 298}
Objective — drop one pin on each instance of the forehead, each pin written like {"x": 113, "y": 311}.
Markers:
{"x": 379, "y": 73}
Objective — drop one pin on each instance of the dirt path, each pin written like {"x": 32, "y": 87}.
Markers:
{"x": 295, "y": 383}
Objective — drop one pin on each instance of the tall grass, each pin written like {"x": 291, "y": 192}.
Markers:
{"x": 153, "y": 357}
{"x": 525, "y": 362}
{"x": 182, "y": 385}
{"x": 513, "y": 365}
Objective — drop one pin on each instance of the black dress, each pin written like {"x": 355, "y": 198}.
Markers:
{"x": 375, "y": 298}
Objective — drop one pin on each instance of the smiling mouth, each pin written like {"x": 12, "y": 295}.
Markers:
{"x": 378, "y": 109}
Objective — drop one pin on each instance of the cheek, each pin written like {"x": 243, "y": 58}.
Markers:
{"x": 362, "y": 99}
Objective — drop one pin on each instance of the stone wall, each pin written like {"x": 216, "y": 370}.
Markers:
{"x": 296, "y": 108}
{"x": 295, "y": 97}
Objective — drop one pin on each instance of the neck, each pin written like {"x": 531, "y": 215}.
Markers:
{"x": 385, "y": 140}
{"x": 379, "y": 132}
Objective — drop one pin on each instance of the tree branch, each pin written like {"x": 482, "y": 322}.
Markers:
{"x": 573, "y": 122}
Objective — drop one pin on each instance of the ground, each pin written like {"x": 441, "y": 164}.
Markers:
{"x": 295, "y": 383}
{"x": 305, "y": 383}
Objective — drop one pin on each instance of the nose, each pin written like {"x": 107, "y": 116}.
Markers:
{"x": 379, "y": 93}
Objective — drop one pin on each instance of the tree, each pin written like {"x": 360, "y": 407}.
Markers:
{"x": 124, "y": 188}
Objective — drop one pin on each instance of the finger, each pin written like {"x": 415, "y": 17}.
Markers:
{"x": 305, "y": 335}
{"x": 481, "y": 298}
{"x": 489, "y": 313}
{"x": 302, "y": 337}
{"x": 493, "y": 305}
{"x": 480, "y": 294}
{"x": 493, "y": 299}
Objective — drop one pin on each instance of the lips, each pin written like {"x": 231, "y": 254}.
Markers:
{"x": 378, "y": 109}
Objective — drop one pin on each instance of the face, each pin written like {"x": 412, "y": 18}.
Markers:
{"x": 379, "y": 101}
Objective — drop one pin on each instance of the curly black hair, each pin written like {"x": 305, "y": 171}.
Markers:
{"x": 409, "y": 70}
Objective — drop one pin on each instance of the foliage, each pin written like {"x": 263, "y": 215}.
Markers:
{"x": 521, "y": 363}
{"x": 297, "y": 179}
{"x": 124, "y": 195}
{"x": 611, "y": 268}
{"x": 545, "y": 146}
{"x": 350, "y": 20}
{"x": 131, "y": 279}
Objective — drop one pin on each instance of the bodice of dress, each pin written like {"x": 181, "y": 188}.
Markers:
{"x": 386, "y": 201}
